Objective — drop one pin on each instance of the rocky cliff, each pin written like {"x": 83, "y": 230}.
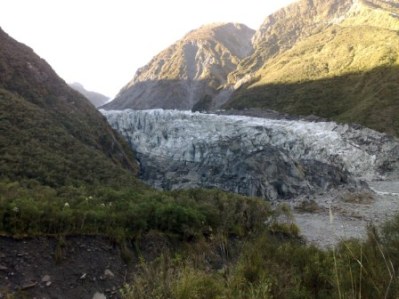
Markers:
{"x": 272, "y": 158}
{"x": 190, "y": 72}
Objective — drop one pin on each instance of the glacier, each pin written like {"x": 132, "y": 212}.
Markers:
{"x": 271, "y": 158}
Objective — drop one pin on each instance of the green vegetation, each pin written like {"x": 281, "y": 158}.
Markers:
{"x": 267, "y": 265}
{"x": 346, "y": 72}
{"x": 212, "y": 244}
{"x": 369, "y": 98}
{"x": 29, "y": 208}
{"x": 51, "y": 133}
{"x": 64, "y": 172}
{"x": 56, "y": 148}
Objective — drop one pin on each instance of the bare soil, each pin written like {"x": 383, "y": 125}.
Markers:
{"x": 48, "y": 269}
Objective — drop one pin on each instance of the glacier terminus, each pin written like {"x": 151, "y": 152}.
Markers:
{"x": 270, "y": 158}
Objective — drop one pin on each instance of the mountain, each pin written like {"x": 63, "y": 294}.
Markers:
{"x": 49, "y": 132}
{"x": 190, "y": 71}
{"x": 97, "y": 99}
{"x": 337, "y": 59}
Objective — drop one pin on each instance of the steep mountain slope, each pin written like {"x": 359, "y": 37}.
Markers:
{"x": 281, "y": 30}
{"x": 49, "y": 132}
{"x": 97, "y": 99}
{"x": 191, "y": 70}
{"x": 336, "y": 59}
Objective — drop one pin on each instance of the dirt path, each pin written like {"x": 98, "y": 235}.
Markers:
{"x": 341, "y": 216}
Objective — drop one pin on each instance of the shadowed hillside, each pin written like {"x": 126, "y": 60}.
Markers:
{"x": 50, "y": 132}
{"x": 369, "y": 98}
{"x": 347, "y": 72}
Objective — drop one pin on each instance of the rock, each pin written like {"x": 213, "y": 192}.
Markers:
{"x": 270, "y": 158}
{"x": 46, "y": 278}
{"x": 108, "y": 273}
{"x": 189, "y": 73}
{"x": 3, "y": 268}
{"x": 28, "y": 285}
{"x": 84, "y": 275}
{"x": 98, "y": 295}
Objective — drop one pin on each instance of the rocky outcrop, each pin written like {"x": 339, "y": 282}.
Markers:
{"x": 189, "y": 73}
{"x": 271, "y": 158}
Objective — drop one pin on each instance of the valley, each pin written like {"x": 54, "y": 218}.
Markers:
{"x": 236, "y": 163}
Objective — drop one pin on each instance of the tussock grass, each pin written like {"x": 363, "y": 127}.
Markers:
{"x": 268, "y": 266}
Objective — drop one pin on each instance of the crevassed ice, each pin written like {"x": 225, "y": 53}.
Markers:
{"x": 188, "y": 136}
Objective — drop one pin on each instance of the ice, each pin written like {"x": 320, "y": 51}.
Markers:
{"x": 188, "y": 136}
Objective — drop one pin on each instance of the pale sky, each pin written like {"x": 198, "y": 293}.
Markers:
{"x": 101, "y": 43}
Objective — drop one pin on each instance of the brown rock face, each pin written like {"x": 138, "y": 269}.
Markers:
{"x": 190, "y": 71}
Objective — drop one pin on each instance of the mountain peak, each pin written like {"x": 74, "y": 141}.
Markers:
{"x": 190, "y": 70}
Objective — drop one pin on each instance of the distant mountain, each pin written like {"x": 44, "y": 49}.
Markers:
{"x": 190, "y": 72}
{"x": 336, "y": 59}
{"x": 49, "y": 132}
{"x": 97, "y": 99}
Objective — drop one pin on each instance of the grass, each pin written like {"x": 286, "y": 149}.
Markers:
{"x": 369, "y": 98}
{"x": 31, "y": 209}
{"x": 344, "y": 73}
{"x": 49, "y": 132}
{"x": 65, "y": 172}
{"x": 212, "y": 244}
{"x": 358, "y": 197}
{"x": 308, "y": 206}
{"x": 268, "y": 266}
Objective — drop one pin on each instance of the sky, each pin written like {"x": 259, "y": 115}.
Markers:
{"x": 101, "y": 43}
